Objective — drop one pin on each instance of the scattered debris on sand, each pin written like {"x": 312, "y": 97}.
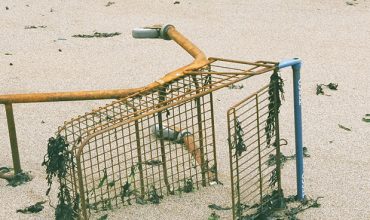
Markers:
{"x": 214, "y": 216}
{"x": 17, "y": 179}
{"x": 97, "y": 35}
{"x": 34, "y": 27}
{"x": 109, "y": 4}
{"x": 320, "y": 88}
{"x": 344, "y": 128}
{"x": 366, "y": 118}
{"x": 232, "y": 86}
{"x": 217, "y": 207}
{"x": 352, "y": 3}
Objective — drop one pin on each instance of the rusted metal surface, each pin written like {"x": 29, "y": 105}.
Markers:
{"x": 13, "y": 138}
{"x": 66, "y": 96}
{"x": 118, "y": 136}
{"x": 200, "y": 61}
{"x": 254, "y": 155}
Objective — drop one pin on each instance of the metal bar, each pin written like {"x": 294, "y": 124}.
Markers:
{"x": 296, "y": 66}
{"x": 243, "y": 62}
{"x": 162, "y": 97}
{"x": 277, "y": 134}
{"x": 200, "y": 131}
{"x": 213, "y": 138}
{"x": 231, "y": 164}
{"x": 67, "y": 96}
{"x": 13, "y": 138}
{"x": 235, "y": 120}
{"x": 137, "y": 132}
{"x": 259, "y": 148}
{"x": 81, "y": 187}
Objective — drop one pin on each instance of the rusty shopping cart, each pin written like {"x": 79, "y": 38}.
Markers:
{"x": 160, "y": 139}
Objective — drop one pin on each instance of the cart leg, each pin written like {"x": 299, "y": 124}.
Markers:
{"x": 13, "y": 138}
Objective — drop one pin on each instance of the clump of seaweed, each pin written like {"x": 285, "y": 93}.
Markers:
{"x": 19, "y": 179}
{"x": 58, "y": 161}
{"x": 320, "y": 88}
{"x": 38, "y": 207}
{"x": 188, "y": 186}
{"x": 240, "y": 146}
{"x": 276, "y": 93}
{"x": 276, "y": 206}
{"x": 154, "y": 197}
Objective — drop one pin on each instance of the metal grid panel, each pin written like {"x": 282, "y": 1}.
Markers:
{"x": 255, "y": 172}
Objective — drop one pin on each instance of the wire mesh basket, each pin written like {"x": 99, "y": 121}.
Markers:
{"x": 157, "y": 141}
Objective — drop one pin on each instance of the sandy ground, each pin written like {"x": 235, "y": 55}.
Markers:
{"x": 331, "y": 37}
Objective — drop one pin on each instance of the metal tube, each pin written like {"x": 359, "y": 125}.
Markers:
{"x": 259, "y": 150}
{"x": 67, "y": 96}
{"x": 13, "y": 138}
{"x": 296, "y": 66}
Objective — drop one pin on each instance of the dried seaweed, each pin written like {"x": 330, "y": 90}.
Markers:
{"x": 154, "y": 197}
{"x": 153, "y": 162}
{"x": 366, "y": 118}
{"x": 38, "y": 207}
{"x": 344, "y": 128}
{"x": 109, "y": 4}
{"x": 103, "y": 217}
{"x": 217, "y": 207}
{"x": 19, "y": 179}
{"x": 97, "y": 35}
{"x": 34, "y": 27}
{"x": 233, "y": 86}
{"x": 240, "y": 146}
{"x": 58, "y": 160}
{"x": 214, "y": 216}
{"x": 276, "y": 93}
{"x": 188, "y": 186}
{"x": 276, "y": 206}
{"x": 320, "y": 88}
{"x": 126, "y": 190}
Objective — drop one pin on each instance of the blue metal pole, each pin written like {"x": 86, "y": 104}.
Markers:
{"x": 296, "y": 66}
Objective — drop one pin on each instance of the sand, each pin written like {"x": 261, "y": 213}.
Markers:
{"x": 331, "y": 37}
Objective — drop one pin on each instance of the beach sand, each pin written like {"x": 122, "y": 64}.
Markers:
{"x": 331, "y": 37}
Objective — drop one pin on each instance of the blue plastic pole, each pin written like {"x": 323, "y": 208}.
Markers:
{"x": 296, "y": 66}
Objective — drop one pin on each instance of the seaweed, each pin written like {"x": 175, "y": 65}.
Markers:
{"x": 366, "y": 118}
{"x": 344, "y": 128}
{"x": 34, "y": 27}
{"x": 96, "y": 35}
{"x": 188, "y": 186}
{"x": 217, "y": 207}
{"x": 19, "y": 179}
{"x": 153, "y": 162}
{"x": 276, "y": 94}
{"x": 320, "y": 88}
{"x": 233, "y": 86}
{"x": 103, "y": 217}
{"x": 276, "y": 206}
{"x": 109, "y": 4}
{"x": 38, "y": 207}
{"x": 154, "y": 197}
{"x": 126, "y": 191}
{"x": 58, "y": 160}
{"x": 240, "y": 146}
{"x": 214, "y": 216}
